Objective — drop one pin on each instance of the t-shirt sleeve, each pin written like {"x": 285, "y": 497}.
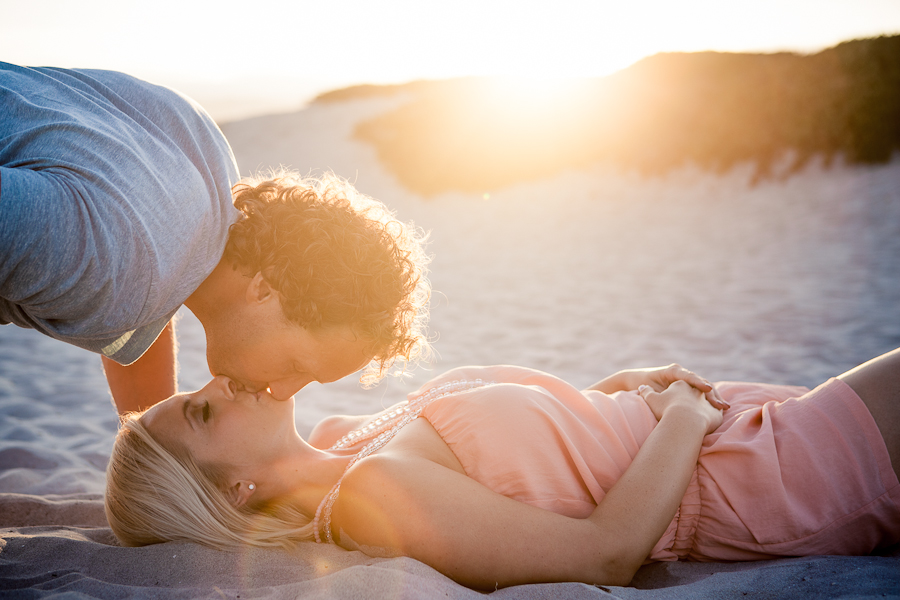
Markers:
{"x": 115, "y": 204}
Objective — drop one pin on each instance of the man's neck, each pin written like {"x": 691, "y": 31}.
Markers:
{"x": 219, "y": 290}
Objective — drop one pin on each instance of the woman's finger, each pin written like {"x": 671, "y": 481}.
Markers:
{"x": 697, "y": 381}
{"x": 676, "y": 372}
{"x": 712, "y": 394}
{"x": 715, "y": 393}
{"x": 645, "y": 391}
{"x": 716, "y": 400}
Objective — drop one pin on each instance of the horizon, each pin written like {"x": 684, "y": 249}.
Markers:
{"x": 266, "y": 65}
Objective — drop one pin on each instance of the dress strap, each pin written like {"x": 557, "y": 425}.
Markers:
{"x": 383, "y": 429}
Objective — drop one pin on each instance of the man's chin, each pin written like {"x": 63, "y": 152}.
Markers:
{"x": 217, "y": 368}
{"x": 266, "y": 393}
{"x": 214, "y": 364}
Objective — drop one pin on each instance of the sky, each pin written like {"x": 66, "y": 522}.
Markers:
{"x": 244, "y": 57}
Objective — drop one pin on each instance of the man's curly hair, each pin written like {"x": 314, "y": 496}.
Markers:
{"x": 336, "y": 257}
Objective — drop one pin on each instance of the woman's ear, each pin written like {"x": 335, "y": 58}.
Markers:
{"x": 239, "y": 493}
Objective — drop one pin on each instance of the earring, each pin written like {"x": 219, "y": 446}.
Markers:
{"x": 252, "y": 487}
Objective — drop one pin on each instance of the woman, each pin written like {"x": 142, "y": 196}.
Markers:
{"x": 505, "y": 475}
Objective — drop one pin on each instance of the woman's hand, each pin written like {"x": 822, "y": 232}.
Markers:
{"x": 681, "y": 396}
{"x": 659, "y": 379}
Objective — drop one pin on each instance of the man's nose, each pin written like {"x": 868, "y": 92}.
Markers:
{"x": 285, "y": 388}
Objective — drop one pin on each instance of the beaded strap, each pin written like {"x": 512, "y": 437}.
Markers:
{"x": 383, "y": 429}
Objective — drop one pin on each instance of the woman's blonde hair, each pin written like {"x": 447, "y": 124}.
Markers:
{"x": 155, "y": 494}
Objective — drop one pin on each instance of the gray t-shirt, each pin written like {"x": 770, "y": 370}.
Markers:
{"x": 115, "y": 203}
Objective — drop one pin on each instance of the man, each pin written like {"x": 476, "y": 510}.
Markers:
{"x": 115, "y": 209}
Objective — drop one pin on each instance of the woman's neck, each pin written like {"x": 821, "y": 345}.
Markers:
{"x": 305, "y": 476}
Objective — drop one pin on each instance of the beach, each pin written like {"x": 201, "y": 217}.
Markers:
{"x": 792, "y": 279}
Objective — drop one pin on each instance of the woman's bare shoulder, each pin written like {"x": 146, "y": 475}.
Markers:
{"x": 330, "y": 429}
{"x": 382, "y": 500}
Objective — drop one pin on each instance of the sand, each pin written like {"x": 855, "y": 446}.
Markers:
{"x": 788, "y": 281}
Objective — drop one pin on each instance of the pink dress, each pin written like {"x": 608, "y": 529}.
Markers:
{"x": 790, "y": 472}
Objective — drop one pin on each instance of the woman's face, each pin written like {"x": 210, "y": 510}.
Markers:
{"x": 219, "y": 425}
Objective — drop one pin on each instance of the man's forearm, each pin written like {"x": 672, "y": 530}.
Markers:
{"x": 150, "y": 379}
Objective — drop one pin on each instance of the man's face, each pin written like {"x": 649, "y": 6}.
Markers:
{"x": 260, "y": 349}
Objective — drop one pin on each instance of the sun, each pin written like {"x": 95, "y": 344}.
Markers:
{"x": 535, "y": 95}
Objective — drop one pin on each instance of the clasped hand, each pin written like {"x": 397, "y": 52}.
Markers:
{"x": 681, "y": 395}
{"x": 657, "y": 385}
{"x": 666, "y": 387}
{"x": 660, "y": 378}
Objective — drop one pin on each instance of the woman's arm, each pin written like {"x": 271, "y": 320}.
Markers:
{"x": 658, "y": 378}
{"x": 483, "y": 539}
{"x": 640, "y": 506}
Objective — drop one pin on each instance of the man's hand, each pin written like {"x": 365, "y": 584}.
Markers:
{"x": 150, "y": 379}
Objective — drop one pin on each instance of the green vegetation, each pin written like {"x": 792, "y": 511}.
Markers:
{"x": 712, "y": 109}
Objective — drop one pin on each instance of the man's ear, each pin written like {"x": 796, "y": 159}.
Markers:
{"x": 239, "y": 493}
{"x": 259, "y": 290}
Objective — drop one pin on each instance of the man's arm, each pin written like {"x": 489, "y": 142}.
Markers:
{"x": 151, "y": 378}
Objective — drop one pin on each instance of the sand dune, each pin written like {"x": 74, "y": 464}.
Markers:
{"x": 715, "y": 109}
{"x": 585, "y": 273}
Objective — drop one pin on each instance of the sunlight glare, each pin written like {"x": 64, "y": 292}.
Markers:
{"x": 530, "y": 95}
{"x": 211, "y": 54}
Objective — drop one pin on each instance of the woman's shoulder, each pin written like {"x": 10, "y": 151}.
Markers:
{"x": 330, "y": 429}
{"x": 382, "y": 499}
